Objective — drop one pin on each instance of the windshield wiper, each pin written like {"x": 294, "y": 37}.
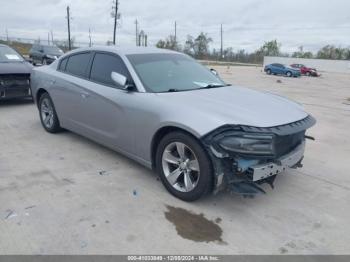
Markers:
{"x": 172, "y": 90}
{"x": 213, "y": 86}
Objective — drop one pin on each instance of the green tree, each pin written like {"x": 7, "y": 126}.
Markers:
{"x": 301, "y": 54}
{"x": 271, "y": 48}
{"x": 189, "y": 45}
{"x": 201, "y": 45}
{"x": 169, "y": 43}
{"x": 332, "y": 52}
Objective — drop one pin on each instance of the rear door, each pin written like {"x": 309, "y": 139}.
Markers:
{"x": 69, "y": 88}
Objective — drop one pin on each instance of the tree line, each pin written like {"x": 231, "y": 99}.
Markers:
{"x": 199, "y": 48}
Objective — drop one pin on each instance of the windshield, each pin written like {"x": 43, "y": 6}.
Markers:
{"x": 172, "y": 72}
{"x": 52, "y": 50}
{"x": 7, "y": 54}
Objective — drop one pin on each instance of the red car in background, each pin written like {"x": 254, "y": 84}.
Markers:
{"x": 306, "y": 70}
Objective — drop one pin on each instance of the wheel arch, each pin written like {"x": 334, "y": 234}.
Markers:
{"x": 163, "y": 131}
{"x": 38, "y": 94}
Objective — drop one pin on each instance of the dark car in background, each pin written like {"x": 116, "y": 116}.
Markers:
{"x": 280, "y": 69}
{"x": 14, "y": 74}
{"x": 44, "y": 54}
{"x": 304, "y": 70}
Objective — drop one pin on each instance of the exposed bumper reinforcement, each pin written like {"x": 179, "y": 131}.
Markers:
{"x": 263, "y": 171}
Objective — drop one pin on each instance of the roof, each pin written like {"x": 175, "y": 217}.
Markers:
{"x": 126, "y": 50}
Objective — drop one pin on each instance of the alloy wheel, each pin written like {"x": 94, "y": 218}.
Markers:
{"x": 47, "y": 113}
{"x": 180, "y": 166}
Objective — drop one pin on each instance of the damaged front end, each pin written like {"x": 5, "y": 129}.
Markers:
{"x": 246, "y": 157}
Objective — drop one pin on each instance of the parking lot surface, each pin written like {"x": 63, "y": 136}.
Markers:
{"x": 63, "y": 194}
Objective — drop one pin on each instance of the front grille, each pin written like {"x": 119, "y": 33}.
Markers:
{"x": 286, "y": 144}
{"x": 14, "y": 80}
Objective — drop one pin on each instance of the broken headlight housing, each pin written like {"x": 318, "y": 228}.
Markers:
{"x": 249, "y": 144}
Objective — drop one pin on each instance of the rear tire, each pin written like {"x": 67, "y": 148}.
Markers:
{"x": 184, "y": 167}
{"x": 308, "y": 74}
{"x": 48, "y": 115}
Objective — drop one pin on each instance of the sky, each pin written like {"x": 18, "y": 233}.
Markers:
{"x": 246, "y": 24}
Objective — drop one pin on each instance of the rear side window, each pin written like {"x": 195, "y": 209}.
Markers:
{"x": 77, "y": 64}
{"x": 63, "y": 64}
{"x": 103, "y": 65}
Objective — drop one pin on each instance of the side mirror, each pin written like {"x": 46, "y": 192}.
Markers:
{"x": 121, "y": 80}
{"x": 214, "y": 72}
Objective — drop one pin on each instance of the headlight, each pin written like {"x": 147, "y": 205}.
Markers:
{"x": 252, "y": 144}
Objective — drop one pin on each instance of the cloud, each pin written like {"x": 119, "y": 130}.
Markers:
{"x": 247, "y": 24}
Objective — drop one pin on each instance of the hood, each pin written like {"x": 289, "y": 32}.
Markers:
{"x": 233, "y": 105}
{"x": 15, "y": 68}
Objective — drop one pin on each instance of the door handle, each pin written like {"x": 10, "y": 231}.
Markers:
{"x": 52, "y": 82}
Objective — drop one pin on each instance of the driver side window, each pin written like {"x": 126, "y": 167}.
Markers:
{"x": 102, "y": 67}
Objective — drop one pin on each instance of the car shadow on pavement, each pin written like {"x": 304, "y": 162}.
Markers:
{"x": 16, "y": 102}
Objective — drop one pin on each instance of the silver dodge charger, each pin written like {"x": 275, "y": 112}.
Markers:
{"x": 169, "y": 113}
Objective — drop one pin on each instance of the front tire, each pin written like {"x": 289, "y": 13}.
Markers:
{"x": 48, "y": 115}
{"x": 268, "y": 71}
{"x": 289, "y": 74}
{"x": 184, "y": 167}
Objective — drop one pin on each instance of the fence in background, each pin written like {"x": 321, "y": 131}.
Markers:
{"x": 340, "y": 66}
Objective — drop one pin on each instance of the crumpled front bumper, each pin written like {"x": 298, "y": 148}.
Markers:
{"x": 266, "y": 170}
{"x": 15, "y": 92}
{"x": 243, "y": 173}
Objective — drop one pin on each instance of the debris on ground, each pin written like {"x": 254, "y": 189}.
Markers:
{"x": 83, "y": 244}
{"x": 10, "y": 214}
{"x": 279, "y": 81}
{"x": 69, "y": 181}
{"x": 134, "y": 192}
{"x": 283, "y": 250}
{"x": 30, "y": 207}
{"x": 103, "y": 173}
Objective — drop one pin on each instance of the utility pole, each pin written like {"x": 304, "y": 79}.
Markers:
{"x": 48, "y": 38}
{"x": 137, "y": 32}
{"x": 115, "y": 14}
{"x": 51, "y": 37}
{"x": 90, "y": 43}
{"x": 175, "y": 33}
{"x": 222, "y": 46}
{"x": 68, "y": 22}
{"x": 7, "y": 35}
